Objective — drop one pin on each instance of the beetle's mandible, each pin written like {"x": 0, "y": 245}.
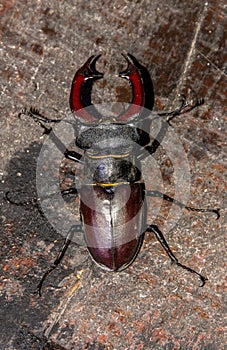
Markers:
{"x": 114, "y": 234}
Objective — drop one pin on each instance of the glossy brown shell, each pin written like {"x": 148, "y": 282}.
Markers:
{"x": 113, "y": 223}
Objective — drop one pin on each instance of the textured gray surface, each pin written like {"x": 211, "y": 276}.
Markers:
{"x": 152, "y": 305}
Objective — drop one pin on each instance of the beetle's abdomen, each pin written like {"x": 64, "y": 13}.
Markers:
{"x": 114, "y": 222}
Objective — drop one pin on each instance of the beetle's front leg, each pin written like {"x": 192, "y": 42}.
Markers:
{"x": 75, "y": 228}
{"x": 154, "y": 229}
{"x": 40, "y": 120}
{"x": 146, "y": 151}
{"x": 186, "y": 106}
{"x": 36, "y": 116}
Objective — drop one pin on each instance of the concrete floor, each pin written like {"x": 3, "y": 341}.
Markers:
{"x": 152, "y": 304}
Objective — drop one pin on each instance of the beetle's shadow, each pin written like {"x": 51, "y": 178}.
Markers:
{"x": 29, "y": 223}
{"x": 20, "y": 187}
{"x": 26, "y": 241}
{"x": 23, "y": 222}
{"x": 21, "y": 174}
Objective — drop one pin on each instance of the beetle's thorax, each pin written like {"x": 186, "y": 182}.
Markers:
{"x": 109, "y": 153}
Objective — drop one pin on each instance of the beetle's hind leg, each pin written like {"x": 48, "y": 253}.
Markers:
{"x": 154, "y": 229}
{"x": 75, "y": 228}
{"x": 35, "y": 202}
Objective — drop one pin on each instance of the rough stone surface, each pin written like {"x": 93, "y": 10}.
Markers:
{"x": 153, "y": 304}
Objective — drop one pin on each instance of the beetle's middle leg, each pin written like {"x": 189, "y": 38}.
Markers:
{"x": 179, "y": 204}
{"x": 35, "y": 202}
{"x": 159, "y": 235}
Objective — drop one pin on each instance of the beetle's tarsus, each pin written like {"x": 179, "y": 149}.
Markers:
{"x": 20, "y": 203}
{"x": 186, "y": 106}
{"x": 199, "y": 210}
{"x": 40, "y": 285}
{"x": 6, "y": 197}
{"x": 36, "y": 116}
{"x": 202, "y": 278}
{"x": 217, "y": 212}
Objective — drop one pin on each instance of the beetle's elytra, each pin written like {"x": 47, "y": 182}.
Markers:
{"x": 114, "y": 234}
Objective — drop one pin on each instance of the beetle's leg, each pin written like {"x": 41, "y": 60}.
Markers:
{"x": 71, "y": 190}
{"x": 67, "y": 194}
{"x": 186, "y": 106}
{"x": 35, "y": 202}
{"x": 68, "y": 191}
{"x": 37, "y": 116}
{"x": 74, "y": 156}
{"x": 181, "y": 205}
{"x": 40, "y": 120}
{"x": 154, "y": 229}
{"x": 60, "y": 256}
{"x": 146, "y": 151}
{"x": 30, "y": 202}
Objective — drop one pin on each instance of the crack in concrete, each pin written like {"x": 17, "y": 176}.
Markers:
{"x": 190, "y": 54}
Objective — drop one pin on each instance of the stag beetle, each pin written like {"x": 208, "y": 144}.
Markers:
{"x": 114, "y": 234}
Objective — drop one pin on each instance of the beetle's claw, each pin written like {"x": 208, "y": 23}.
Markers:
{"x": 203, "y": 280}
{"x": 6, "y": 197}
{"x": 38, "y": 291}
{"x": 217, "y": 212}
{"x": 23, "y": 111}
